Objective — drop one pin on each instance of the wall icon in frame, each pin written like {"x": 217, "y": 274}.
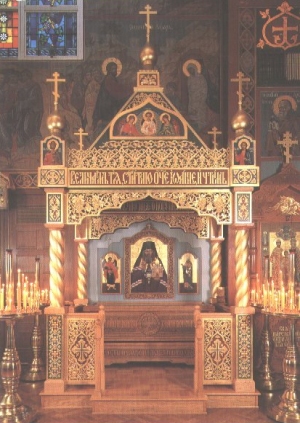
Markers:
{"x": 110, "y": 273}
{"x": 188, "y": 274}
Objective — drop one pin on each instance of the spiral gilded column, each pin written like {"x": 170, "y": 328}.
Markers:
{"x": 241, "y": 268}
{"x": 56, "y": 266}
{"x": 215, "y": 266}
{"x": 82, "y": 271}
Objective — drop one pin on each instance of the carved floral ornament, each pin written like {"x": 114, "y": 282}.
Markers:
{"x": 214, "y": 203}
{"x": 288, "y": 206}
{"x": 281, "y": 30}
{"x": 148, "y": 154}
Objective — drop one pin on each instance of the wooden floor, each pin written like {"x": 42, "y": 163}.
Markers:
{"x": 144, "y": 381}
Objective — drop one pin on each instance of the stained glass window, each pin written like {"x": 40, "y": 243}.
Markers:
{"x": 9, "y": 29}
{"x": 41, "y": 29}
{"x": 51, "y": 34}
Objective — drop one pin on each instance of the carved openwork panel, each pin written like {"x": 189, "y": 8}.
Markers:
{"x": 81, "y": 350}
{"x": 217, "y": 350}
{"x": 55, "y": 346}
{"x": 189, "y": 222}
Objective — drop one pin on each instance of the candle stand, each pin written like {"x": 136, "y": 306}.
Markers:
{"x": 266, "y": 379}
{"x": 37, "y": 370}
{"x": 288, "y": 409}
{"x": 12, "y": 410}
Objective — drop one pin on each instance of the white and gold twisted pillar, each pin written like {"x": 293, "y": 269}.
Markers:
{"x": 241, "y": 268}
{"x": 56, "y": 265}
{"x": 215, "y": 266}
{"x": 82, "y": 270}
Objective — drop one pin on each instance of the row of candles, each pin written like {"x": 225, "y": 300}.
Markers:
{"x": 277, "y": 300}
{"x": 24, "y": 296}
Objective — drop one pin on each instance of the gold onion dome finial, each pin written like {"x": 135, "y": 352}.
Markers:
{"x": 55, "y": 123}
{"x": 148, "y": 54}
{"x": 240, "y": 122}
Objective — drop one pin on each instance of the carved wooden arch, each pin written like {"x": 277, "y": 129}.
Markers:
{"x": 211, "y": 203}
{"x": 189, "y": 222}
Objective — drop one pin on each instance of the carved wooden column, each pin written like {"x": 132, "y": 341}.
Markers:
{"x": 215, "y": 265}
{"x": 82, "y": 265}
{"x": 241, "y": 268}
{"x": 57, "y": 260}
{"x": 82, "y": 270}
{"x": 55, "y": 382}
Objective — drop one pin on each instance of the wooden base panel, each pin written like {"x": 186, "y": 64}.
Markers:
{"x": 73, "y": 398}
{"x": 149, "y": 388}
{"x": 150, "y": 406}
{"x": 226, "y": 397}
{"x": 212, "y": 398}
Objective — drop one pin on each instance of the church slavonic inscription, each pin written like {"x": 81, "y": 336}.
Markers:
{"x": 143, "y": 178}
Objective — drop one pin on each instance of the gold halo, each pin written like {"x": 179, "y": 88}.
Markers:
{"x": 148, "y": 111}
{"x": 247, "y": 142}
{"x": 129, "y": 116}
{"x": 164, "y": 114}
{"x": 281, "y": 98}
{"x": 188, "y": 63}
{"x": 114, "y": 60}
{"x": 50, "y": 142}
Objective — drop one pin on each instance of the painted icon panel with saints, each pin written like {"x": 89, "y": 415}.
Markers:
{"x": 279, "y": 113}
{"x": 244, "y": 151}
{"x": 148, "y": 269}
{"x": 188, "y": 271}
{"x": 110, "y": 273}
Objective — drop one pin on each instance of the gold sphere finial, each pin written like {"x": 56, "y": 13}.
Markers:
{"x": 55, "y": 123}
{"x": 240, "y": 122}
{"x": 148, "y": 57}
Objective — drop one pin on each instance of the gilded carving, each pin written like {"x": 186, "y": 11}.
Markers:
{"x": 81, "y": 350}
{"x": 149, "y": 154}
{"x": 54, "y": 208}
{"x": 217, "y": 355}
{"x": 206, "y": 203}
{"x": 245, "y": 176}
{"x": 54, "y": 350}
{"x": 48, "y": 177}
{"x": 142, "y": 97}
{"x": 243, "y": 204}
{"x": 187, "y": 221}
{"x": 243, "y": 347}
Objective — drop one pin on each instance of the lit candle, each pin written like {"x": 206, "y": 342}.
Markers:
{"x": 25, "y": 296}
{"x": 19, "y": 295}
{"x": 37, "y": 271}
